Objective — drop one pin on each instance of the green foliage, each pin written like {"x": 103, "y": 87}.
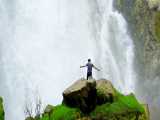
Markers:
{"x": 1, "y": 109}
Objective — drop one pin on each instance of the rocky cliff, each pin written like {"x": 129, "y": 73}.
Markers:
{"x": 143, "y": 17}
{"x": 1, "y": 109}
{"x": 95, "y": 100}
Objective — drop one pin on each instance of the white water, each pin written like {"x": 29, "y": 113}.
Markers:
{"x": 43, "y": 43}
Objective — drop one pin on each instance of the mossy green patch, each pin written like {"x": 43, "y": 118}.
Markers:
{"x": 45, "y": 117}
{"x": 127, "y": 103}
{"x": 123, "y": 105}
{"x": 157, "y": 25}
{"x": 1, "y": 109}
{"x": 62, "y": 112}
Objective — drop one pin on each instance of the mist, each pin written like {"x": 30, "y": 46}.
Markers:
{"x": 43, "y": 44}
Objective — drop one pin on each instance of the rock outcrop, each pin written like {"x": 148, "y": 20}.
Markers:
{"x": 95, "y": 100}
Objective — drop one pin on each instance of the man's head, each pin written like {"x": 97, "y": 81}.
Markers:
{"x": 89, "y": 60}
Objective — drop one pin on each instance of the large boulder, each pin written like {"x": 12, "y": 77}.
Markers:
{"x": 105, "y": 91}
{"x": 81, "y": 94}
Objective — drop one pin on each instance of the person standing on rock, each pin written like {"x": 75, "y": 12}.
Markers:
{"x": 89, "y": 66}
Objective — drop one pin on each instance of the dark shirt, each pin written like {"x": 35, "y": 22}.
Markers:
{"x": 89, "y": 67}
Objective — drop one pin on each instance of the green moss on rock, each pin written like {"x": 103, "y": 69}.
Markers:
{"x": 157, "y": 25}
{"x": 124, "y": 108}
{"x": 62, "y": 112}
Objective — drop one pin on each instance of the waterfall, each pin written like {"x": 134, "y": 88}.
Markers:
{"x": 115, "y": 46}
{"x": 43, "y": 43}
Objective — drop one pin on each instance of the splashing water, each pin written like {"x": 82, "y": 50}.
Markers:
{"x": 43, "y": 43}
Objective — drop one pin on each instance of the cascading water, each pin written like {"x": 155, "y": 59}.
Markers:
{"x": 43, "y": 43}
{"x": 115, "y": 45}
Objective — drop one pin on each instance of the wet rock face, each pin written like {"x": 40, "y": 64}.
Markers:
{"x": 81, "y": 94}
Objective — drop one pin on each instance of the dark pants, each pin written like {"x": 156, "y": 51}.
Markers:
{"x": 89, "y": 74}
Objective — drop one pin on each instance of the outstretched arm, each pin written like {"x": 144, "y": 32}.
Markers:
{"x": 96, "y": 68}
{"x": 82, "y": 66}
